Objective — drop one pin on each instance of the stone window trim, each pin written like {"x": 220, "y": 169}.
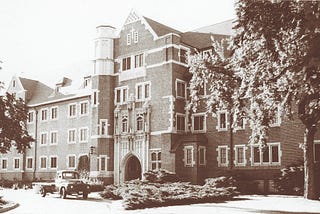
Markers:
{"x": 31, "y": 119}
{"x": 40, "y": 162}
{"x": 103, "y": 130}
{"x": 235, "y": 161}
{"x": 42, "y": 118}
{"x": 95, "y": 98}
{"x": 121, "y": 89}
{"x": 140, "y": 123}
{"x": 226, "y": 164}
{"x": 86, "y": 113}
{"x": 185, "y": 122}
{"x": 27, "y": 161}
{"x": 204, "y": 163}
{"x": 143, "y": 92}
{"x": 2, "y": 167}
{"x": 124, "y": 124}
{"x": 50, "y": 163}
{"x": 227, "y": 122}
{"x": 57, "y": 139}
{"x": 316, "y": 143}
{"x": 106, "y": 158}
{"x": 75, "y": 134}
{"x": 45, "y": 140}
{"x": 86, "y": 129}
{"x": 128, "y": 39}
{"x": 184, "y": 93}
{"x": 135, "y": 37}
{"x": 204, "y": 122}
{"x": 157, "y": 161}
{"x": 278, "y": 121}
{"x": 269, "y": 147}
{"x": 183, "y": 50}
{"x": 192, "y": 162}
{"x": 86, "y": 82}
{"x": 14, "y": 163}
{"x": 239, "y": 128}
{"x": 69, "y": 112}
{"x": 68, "y": 161}
{"x": 56, "y": 115}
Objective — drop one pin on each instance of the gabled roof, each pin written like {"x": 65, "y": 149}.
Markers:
{"x": 28, "y": 84}
{"x": 200, "y": 40}
{"x": 160, "y": 29}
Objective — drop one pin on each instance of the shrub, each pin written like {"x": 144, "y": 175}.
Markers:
{"x": 291, "y": 180}
{"x": 6, "y": 183}
{"x": 160, "y": 176}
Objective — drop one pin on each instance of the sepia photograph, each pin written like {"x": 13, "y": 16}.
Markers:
{"x": 159, "y": 107}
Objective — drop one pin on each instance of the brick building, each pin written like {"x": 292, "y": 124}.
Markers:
{"x": 129, "y": 115}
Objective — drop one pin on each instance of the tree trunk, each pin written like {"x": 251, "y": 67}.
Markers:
{"x": 310, "y": 191}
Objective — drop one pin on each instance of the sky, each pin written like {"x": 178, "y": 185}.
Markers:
{"x": 48, "y": 39}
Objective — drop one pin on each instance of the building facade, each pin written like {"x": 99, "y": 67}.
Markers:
{"x": 129, "y": 115}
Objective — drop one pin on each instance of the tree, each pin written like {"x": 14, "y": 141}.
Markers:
{"x": 84, "y": 166}
{"x": 276, "y": 56}
{"x": 13, "y": 130}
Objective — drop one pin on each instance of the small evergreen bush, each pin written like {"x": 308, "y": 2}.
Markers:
{"x": 291, "y": 180}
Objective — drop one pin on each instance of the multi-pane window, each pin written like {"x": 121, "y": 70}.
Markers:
{"x": 269, "y": 154}
{"x": 240, "y": 158}
{"x": 103, "y": 163}
{"x": 4, "y": 164}
{"x": 84, "y": 108}
{"x": 54, "y": 113}
{"x": 72, "y": 136}
{"x": 125, "y": 124}
{"x": 276, "y": 119}
{"x": 316, "y": 150}
{"x": 43, "y": 138}
{"x": 121, "y": 95}
{"x": 124, "y": 95}
{"x": 222, "y": 121}
{"x": 188, "y": 156}
{"x": 222, "y": 156}
{"x": 183, "y": 56}
{"x": 156, "y": 160}
{"x": 202, "y": 155}
{"x": 43, "y": 162}
{"x": 103, "y": 127}
{"x": 29, "y": 163}
{"x": 140, "y": 123}
{"x": 129, "y": 39}
{"x": 44, "y": 114}
{"x": 71, "y": 161}
{"x": 118, "y": 95}
{"x": 53, "y": 162}
{"x": 180, "y": 89}
{"x": 95, "y": 98}
{"x": 198, "y": 122}
{"x": 138, "y": 60}
{"x": 139, "y": 92}
{"x": 135, "y": 37}
{"x": 126, "y": 63}
{"x": 83, "y": 134}
{"x": 181, "y": 122}
{"x": 53, "y": 137}
{"x": 30, "y": 117}
{"x": 16, "y": 163}
{"x": 143, "y": 91}
{"x": 72, "y": 110}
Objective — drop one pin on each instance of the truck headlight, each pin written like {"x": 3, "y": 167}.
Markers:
{"x": 88, "y": 187}
{"x": 71, "y": 186}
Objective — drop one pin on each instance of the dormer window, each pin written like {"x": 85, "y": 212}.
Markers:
{"x": 13, "y": 83}
{"x": 86, "y": 82}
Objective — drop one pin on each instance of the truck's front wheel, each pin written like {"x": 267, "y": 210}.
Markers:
{"x": 43, "y": 192}
{"x": 85, "y": 195}
{"x": 63, "y": 193}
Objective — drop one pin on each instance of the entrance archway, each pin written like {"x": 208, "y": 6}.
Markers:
{"x": 132, "y": 169}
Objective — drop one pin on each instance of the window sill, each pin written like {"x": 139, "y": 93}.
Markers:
{"x": 198, "y": 131}
{"x": 222, "y": 129}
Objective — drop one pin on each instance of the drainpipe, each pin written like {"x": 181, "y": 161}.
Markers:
{"x": 35, "y": 145}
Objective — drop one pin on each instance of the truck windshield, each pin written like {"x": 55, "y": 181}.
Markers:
{"x": 70, "y": 175}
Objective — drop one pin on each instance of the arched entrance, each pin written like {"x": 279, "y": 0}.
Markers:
{"x": 132, "y": 169}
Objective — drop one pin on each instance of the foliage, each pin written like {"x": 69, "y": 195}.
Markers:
{"x": 84, "y": 166}
{"x": 291, "y": 180}
{"x": 160, "y": 176}
{"x": 13, "y": 130}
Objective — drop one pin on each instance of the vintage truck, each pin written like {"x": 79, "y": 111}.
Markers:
{"x": 66, "y": 183}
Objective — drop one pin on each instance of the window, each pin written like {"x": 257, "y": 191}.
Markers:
{"x": 4, "y": 164}
{"x": 43, "y": 162}
{"x": 43, "y": 139}
{"x": 124, "y": 95}
{"x": 124, "y": 124}
{"x": 126, "y": 63}
{"x": 198, "y": 122}
{"x": 183, "y": 56}
{"x": 316, "y": 150}
{"x": 71, "y": 161}
{"x": 135, "y": 37}
{"x": 83, "y": 134}
{"x": 207, "y": 53}
{"x": 129, "y": 39}
{"x": 54, "y": 137}
{"x": 95, "y": 98}
{"x": 84, "y": 108}
{"x": 53, "y": 162}
{"x": 121, "y": 95}
{"x": 143, "y": 91}
{"x": 16, "y": 163}
{"x": 188, "y": 156}
{"x": 240, "y": 125}
{"x": 222, "y": 121}
{"x": 180, "y": 89}
{"x": 118, "y": 95}
{"x": 44, "y": 115}
{"x": 103, "y": 163}
{"x": 240, "y": 155}
{"x": 269, "y": 155}
{"x": 54, "y": 113}
{"x": 202, "y": 155}
{"x": 223, "y": 156}
{"x": 138, "y": 60}
{"x": 103, "y": 127}
{"x": 72, "y": 136}
{"x": 276, "y": 118}
{"x": 181, "y": 122}
{"x": 86, "y": 82}
{"x": 72, "y": 110}
{"x": 29, "y": 163}
{"x": 140, "y": 123}
{"x": 30, "y": 117}
{"x": 156, "y": 159}
{"x": 13, "y": 83}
